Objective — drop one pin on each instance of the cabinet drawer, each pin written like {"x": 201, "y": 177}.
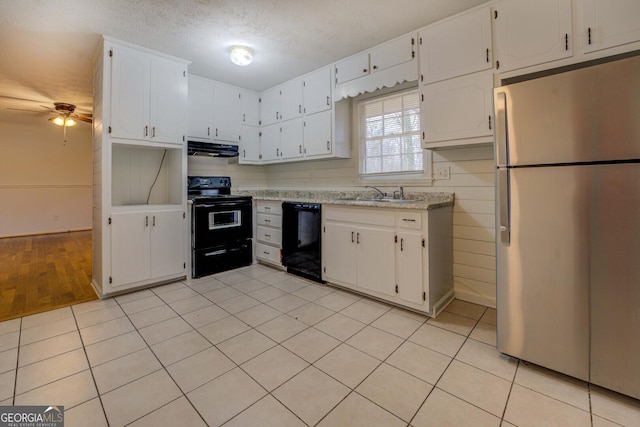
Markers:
{"x": 411, "y": 220}
{"x": 274, "y": 207}
{"x": 268, "y": 253}
{"x": 269, "y": 220}
{"x": 269, "y": 235}
{"x": 370, "y": 216}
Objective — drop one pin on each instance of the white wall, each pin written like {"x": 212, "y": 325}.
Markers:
{"x": 45, "y": 183}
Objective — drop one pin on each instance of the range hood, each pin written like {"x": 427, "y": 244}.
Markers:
{"x": 211, "y": 149}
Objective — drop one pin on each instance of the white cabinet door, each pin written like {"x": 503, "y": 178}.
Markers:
{"x": 200, "y": 108}
{"x": 291, "y": 100}
{"x": 409, "y": 269}
{"x": 604, "y": 23}
{"x": 457, "y": 108}
{"x": 227, "y": 113}
{"x": 376, "y": 259}
{"x": 129, "y": 103}
{"x": 531, "y": 33}
{"x": 270, "y": 106}
{"x": 317, "y": 134}
{"x": 292, "y": 139}
{"x": 249, "y": 145}
{"x": 352, "y": 68}
{"x": 339, "y": 253}
{"x": 270, "y": 142}
{"x": 168, "y": 97}
{"x": 167, "y": 243}
{"x": 130, "y": 256}
{"x": 456, "y": 47}
{"x": 393, "y": 53}
{"x": 250, "y": 102}
{"x": 316, "y": 91}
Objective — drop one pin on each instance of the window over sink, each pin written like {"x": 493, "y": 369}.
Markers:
{"x": 389, "y": 127}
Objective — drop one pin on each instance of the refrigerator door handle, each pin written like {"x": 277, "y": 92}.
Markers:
{"x": 504, "y": 226}
{"x": 500, "y": 103}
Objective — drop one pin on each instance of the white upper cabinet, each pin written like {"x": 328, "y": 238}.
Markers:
{"x": 532, "y": 32}
{"x": 605, "y": 24}
{"x": 291, "y": 100}
{"x": 148, "y": 96}
{"x": 456, "y": 47}
{"x": 393, "y": 53}
{"x": 250, "y": 102}
{"x": 227, "y": 113}
{"x": 270, "y": 106}
{"x": 200, "y": 119}
{"x": 352, "y": 68}
{"x": 317, "y": 135}
{"x": 249, "y": 145}
{"x": 457, "y": 109}
{"x": 270, "y": 142}
{"x": 291, "y": 139}
{"x": 316, "y": 91}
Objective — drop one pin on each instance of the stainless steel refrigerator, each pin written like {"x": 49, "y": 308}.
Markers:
{"x": 568, "y": 222}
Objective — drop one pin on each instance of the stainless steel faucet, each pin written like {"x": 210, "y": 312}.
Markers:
{"x": 381, "y": 194}
{"x": 400, "y": 193}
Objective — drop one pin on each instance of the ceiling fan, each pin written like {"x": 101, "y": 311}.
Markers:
{"x": 64, "y": 114}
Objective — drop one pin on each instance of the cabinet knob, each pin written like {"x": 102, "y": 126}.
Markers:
{"x": 364, "y": 70}
{"x": 375, "y": 67}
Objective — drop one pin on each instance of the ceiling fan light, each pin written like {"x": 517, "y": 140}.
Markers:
{"x": 70, "y": 122}
{"x": 241, "y": 55}
{"x": 59, "y": 121}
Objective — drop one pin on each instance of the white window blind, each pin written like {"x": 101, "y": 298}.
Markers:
{"x": 390, "y": 134}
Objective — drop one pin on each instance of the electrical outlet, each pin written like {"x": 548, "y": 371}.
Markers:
{"x": 442, "y": 172}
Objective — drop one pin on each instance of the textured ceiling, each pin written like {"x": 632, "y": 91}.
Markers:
{"x": 46, "y": 46}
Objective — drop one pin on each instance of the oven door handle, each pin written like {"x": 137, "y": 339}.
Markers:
{"x": 226, "y": 251}
{"x": 218, "y": 204}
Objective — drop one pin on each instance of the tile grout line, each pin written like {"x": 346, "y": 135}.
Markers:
{"x": 84, "y": 350}
{"x": 15, "y": 379}
{"x": 163, "y": 367}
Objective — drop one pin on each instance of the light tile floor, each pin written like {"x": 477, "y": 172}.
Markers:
{"x": 259, "y": 347}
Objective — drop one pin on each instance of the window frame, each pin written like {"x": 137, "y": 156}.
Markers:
{"x": 425, "y": 174}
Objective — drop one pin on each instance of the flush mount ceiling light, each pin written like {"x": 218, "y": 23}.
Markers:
{"x": 241, "y": 55}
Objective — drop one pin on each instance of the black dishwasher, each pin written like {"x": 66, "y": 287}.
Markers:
{"x": 301, "y": 239}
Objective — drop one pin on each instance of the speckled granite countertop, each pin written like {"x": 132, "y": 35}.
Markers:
{"x": 417, "y": 200}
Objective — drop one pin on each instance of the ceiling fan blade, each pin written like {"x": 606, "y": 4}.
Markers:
{"x": 15, "y": 98}
{"x": 84, "y": 119}
{"x": 48, "y": 108}
{"x": 23, "y": 109}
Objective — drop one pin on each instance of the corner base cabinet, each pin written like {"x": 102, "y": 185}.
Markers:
{"x": 401, "y": 256}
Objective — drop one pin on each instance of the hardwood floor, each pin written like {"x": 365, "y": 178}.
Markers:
{"x": 40, "y": 273}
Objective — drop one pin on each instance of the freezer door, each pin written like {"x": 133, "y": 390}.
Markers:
{"x": 615, "y": 278}
{"x": 543, "y": 269}
{"x": 585, "y": 115}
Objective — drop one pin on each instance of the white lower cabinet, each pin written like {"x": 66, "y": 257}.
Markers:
{"x": 146, "y": 246}
{"x": 386, "y": 253}
{"x": 269, "y": 232}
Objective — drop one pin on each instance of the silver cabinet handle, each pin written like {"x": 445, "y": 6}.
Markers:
{"x": 409, "y": 219}
{"x": 328, "y": 101}
{"x": 352, "y": 236}
{"x": 358, "y": 238}
{"x": 146, "y": 131}
{"x": 146, "y": 221}
{"x": 153, "y": 132}
{"x": 208, "y": 131}
{"x": 300, "y": 148}
{"x": 154, "y": 221}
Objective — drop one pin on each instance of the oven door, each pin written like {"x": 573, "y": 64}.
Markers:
{"x": 219, "y": 223}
